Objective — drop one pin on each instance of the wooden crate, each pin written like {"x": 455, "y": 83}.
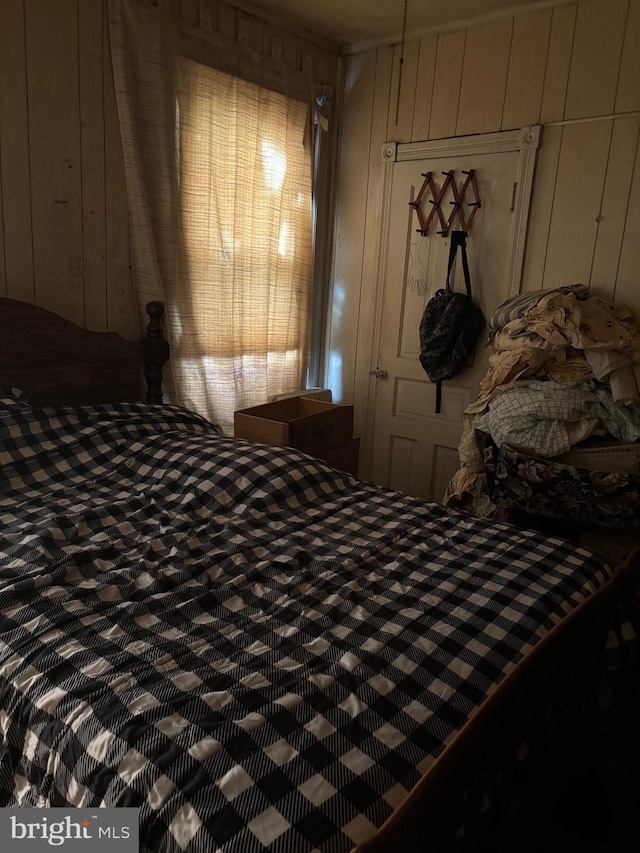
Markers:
{"x": 308, "y": 425}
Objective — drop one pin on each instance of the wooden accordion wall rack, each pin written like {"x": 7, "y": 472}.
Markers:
{"x": 468, "y": 188}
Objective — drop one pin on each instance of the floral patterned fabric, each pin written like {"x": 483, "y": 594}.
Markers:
{"x": 548, "y": 488}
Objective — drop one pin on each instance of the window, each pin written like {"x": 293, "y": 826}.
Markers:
{"x": 241, "y": 304}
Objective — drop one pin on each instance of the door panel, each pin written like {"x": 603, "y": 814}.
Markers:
{"x": 413, "y": 448}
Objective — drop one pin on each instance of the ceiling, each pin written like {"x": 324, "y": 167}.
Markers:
{"x": 357, "y": 23}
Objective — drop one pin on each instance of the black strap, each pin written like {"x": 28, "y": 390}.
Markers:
{"x": 438, "y": 396}
{"x": 459, "y": 238}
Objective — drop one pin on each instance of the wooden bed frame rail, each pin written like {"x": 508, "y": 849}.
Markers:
{"x": 426, "y": 819}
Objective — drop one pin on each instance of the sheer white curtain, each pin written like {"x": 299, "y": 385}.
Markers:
{"x": 219, "y": 182}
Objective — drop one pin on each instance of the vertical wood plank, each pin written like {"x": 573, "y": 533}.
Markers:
{"x": 525, "y": 78}
{"x": 373, "y": 217}
{"x": 544, "y": 188}
{"x": 254, "y": 28}
{"x": 424, "y": 88}
{"x": 189, "y": 12}
{"x": 226, "y": 20}
{"x": 615, "y": 201}
{"x": 121, "y": 304}
{"x": 446, "y": 84}
{"x": 243, "y": 29}
{"x": 274, "y": 47}
{"x": 484, "y": 78}
{"x": 576, "y": 204}
{"x": 208, "y": 14}
{"x": 3, "y": 272}
{"x": 90, "y": 62}
{"x": 288, "y": 45}
{"x": 628, "y": 277}
{"x": 595, "y": 60}
{"x": 14, "y": 154}
{"x": 307, "y": 56}
{"x": 558, "y": 63}
{"x": 400, "y": 120}
{"x": 54, "y": 123}
{"x": 628, "y": 94}
{"x": 349, "y": 231}
{"x": 326, "y": 67}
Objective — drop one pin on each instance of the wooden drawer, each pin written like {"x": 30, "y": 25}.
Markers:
{"x": 309, "y": 425}
{"x": 344, "y": 456}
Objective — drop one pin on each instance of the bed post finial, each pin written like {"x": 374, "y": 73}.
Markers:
{"x": 156, "y": 352}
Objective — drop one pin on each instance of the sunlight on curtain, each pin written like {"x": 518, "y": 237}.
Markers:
{"x": 219, "y": 185}
{"x": 245, "y": 213}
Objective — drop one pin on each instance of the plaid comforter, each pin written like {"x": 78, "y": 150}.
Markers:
{"x": 255, "y": 650}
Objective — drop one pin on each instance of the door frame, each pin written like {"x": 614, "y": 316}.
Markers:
{"x": 526, "y": 142}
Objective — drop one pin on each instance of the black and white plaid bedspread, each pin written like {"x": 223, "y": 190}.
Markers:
{"x": 255, "y": 650}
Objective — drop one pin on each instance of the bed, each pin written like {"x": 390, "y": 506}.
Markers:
{"x": 257, "y": 651}
{"x": 55, "y": 361}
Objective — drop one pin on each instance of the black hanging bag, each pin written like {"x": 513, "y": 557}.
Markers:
{"x": 450, "y": 326}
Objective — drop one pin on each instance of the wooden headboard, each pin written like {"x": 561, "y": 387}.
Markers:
{"x": 56, "y": 362}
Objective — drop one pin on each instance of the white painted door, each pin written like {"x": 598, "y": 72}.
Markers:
{"x": 413, "y": 449}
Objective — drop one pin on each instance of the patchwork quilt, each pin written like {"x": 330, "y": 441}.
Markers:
{"x": 257, "y": 651}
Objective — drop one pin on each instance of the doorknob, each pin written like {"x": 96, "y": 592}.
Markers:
{"x": 379, "y": 373}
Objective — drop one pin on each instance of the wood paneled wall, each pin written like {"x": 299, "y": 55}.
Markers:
{"x": 574, "y": 68}
{"x": 64, "y": 241}
{"x": 63, "y": 197}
